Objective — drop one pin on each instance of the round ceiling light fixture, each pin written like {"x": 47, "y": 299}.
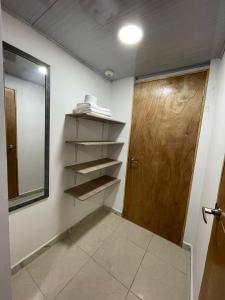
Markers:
{"x": 130, "y": 34}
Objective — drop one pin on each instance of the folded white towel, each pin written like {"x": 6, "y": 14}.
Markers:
{"x": 93, "y": 114}
{"x": 94, "y": 106}
{"x": 93, "y": 110}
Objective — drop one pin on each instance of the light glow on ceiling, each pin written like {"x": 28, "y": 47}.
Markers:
{"x": 130, "y": 34}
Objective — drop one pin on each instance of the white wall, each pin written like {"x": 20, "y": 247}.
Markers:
{"x": 211, "y": 181}
{"x": 30, "y": 109}
{"x": 121, "y": 106}
{"x": 202, "y": 152}
{"x": 70, "y": 81}
{"x": 4, "y": 226}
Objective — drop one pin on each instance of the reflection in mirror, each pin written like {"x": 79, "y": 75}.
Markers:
{"x": 25, "y": 114}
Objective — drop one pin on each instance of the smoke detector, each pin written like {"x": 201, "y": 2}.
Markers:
{"x": 109, "y": 73}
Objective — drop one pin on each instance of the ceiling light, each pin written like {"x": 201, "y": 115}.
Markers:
{"x": 130, "y": 34}
{"x": 42, "y": 70}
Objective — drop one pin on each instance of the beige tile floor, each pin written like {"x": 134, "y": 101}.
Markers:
{"x": 106, "y": 258}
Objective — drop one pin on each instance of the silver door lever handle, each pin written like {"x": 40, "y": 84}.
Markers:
{"x": 10, "y": 146}
{"x": 210, "y": 211}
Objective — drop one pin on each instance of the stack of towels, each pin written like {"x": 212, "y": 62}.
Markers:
{"x": 90, "y": 106}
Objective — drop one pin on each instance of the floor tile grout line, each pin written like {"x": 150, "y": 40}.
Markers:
{"x": 100, "y": 265}
{"x": 126, "y": 295}
{"x": 107, "y": 271}
{"x": 131, "y": 242}
{"x": 162, "y": 260}
{"x": 124, "y": 220}
{"x": 163, "y": 283}
{"x": 49, "y": 246}
{"x": 89, "y": 258}
{"x": 158, "y": 258}
{"x": 139, "y": 269}
{"x": 120, "y": 236}
{"x": 134, "y": 295}
{"x": 36, "y": 284}
{"x": 112, "y": 231}
{"x": 91, "y": 255}
{"x": 45, "y": 297}
{"x": 93, "y": 260}
{"x": 79, "y": 246}
{"x": 168, "y": 264}
{"x": 149, "y": 242}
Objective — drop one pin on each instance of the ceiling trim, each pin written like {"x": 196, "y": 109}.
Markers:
{"x": 173, "y": 72}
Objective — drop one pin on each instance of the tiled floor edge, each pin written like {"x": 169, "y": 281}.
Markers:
{"x": 28, "y": 259}
{"x": 113, "y": 210}
{"x": 189, "y": 247}
{"x": 186, "y": 246}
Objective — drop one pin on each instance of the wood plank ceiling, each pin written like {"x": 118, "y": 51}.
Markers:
{"x": 177, "y": 33}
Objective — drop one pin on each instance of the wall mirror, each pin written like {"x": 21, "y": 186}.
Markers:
{"x": 27, "y": 104}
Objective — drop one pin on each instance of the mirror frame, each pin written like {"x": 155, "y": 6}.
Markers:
{"x": 33, "y": 59}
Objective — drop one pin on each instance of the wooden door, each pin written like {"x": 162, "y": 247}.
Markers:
{"x": 213, "y": 283}
{"x": 164, "y": 135}
{"x": 11, "y": 140}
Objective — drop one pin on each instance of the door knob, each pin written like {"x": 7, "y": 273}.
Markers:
{"x": 9, "y": 147}
{"x": 132, "y": 161}
{"x": 210, "y": 211}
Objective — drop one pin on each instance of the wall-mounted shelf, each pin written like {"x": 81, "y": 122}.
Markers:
{"x": 95, "y": 143}
{"x": 88, "y": 189}
{"x": 94, "y": 165}
{"x": 93, "y": 117}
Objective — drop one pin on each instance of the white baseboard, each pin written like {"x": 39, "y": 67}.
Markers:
{"x": 116, "y": 211}
{"x": 189, "y": 247}
{"x": 38, "y": 251}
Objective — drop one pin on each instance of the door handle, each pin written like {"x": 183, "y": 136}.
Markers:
{"x": 9, "y": 147}
{"x": 211, "y": 211}
{"x": 132, "y": 161}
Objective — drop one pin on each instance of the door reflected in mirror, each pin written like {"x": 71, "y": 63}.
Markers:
{"x": 27, "y": 126}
